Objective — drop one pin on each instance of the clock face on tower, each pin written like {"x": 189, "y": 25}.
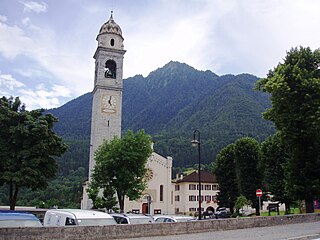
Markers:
{"x": 109, "y": 103}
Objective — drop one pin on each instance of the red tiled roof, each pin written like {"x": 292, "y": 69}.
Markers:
{"x": 206, "y": 177}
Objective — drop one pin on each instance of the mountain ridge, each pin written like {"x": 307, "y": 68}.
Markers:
{"x": 173, "y": 101}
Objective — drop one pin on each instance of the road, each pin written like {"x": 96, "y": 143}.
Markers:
{"x": 299, "y": 231}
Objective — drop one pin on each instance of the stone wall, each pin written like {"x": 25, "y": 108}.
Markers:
{"x": 145, "y": 230}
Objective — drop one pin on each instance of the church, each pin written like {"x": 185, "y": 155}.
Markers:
{"x": 106, "y": 123}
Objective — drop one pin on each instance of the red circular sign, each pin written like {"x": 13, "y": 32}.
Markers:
{"x": 259, "y": 192}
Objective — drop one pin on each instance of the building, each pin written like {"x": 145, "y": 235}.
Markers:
{"x": 107, "y": 92}
{"x": 186, "y": 193}
{"x": 158, "y": 196}
{"x": 106, "y": 123}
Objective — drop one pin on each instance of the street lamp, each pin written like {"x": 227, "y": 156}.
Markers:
{"x": 196, "y": 143}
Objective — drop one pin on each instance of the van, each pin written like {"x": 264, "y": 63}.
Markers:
{"x": 18, "y": 219}
{"x": 76, "y": 217}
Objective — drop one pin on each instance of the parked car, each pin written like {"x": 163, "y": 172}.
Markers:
{"x": 77, "y": 217}
{"x": 173, "y": 218}
{"x": 10, "y": 219}
{"x": 131, "y": 218}
{"x": 222, "y": 212}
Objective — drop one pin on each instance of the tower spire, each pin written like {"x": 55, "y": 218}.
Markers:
{"x": 111, "y": 17}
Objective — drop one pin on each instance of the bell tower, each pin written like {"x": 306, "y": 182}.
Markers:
{"x": 107, "y": 91}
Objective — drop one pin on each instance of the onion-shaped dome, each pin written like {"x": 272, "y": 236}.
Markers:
{"x": 111, "y": 27}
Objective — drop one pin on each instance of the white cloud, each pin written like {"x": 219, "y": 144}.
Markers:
{"x": 42, "y": 96}
{"x": 27, "y": 22}
{"x": 9, "y": 83}
{"x": 33, "y": 6}
{"x": 51, "y": 55}
{"x": 3, "y": 18}
{"x": 14, "y": 42}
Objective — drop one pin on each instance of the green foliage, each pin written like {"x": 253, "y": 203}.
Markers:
{"x": 274, "y": 157}
{"x": 295, "y": 95}
{"x": 225, "y": 171}
{"x": 241, "y": 202}
{"x": 27, "y": 148}
{"x": 104, "y": 201}
{"x": 120, "y": 165}
{"x": 247, "y": 157}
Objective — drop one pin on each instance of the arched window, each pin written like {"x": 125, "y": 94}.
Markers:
{"x": 110, "y": 69}
{"x": 161, "y": 192}
{"x": 112, "y": 42}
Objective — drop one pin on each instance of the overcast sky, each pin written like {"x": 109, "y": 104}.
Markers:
{"x": 47, "y": 47}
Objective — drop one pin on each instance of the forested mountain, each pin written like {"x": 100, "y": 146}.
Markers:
{"x": 170, "y": 103}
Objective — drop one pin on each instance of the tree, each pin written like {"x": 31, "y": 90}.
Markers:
{"x": 107, "y": 200}
{"x": 27, "y": 148}
{"x": 241, "y": 202}
{"x": 247, "y": 156}
{"x": 224, "y": 169}
{"x": 274, "y": 159}
{"x": 120, "y": 164}
{"x": 294, "y": 86}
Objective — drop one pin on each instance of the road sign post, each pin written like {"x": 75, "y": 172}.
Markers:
{"x": 259, "y": 195}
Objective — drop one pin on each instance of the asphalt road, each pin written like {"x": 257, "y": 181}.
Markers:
{"x": 299, "y": 231}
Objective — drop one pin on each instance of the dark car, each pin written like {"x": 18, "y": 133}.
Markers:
{"x": 222, "y": 212}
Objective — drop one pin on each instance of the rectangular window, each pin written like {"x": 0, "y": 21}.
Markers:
{"x": 215, "y": 187}
{"x": 161, "y": 193}
{"x": 207, "y": 198}
{"x": 177, "y": 187}
{"x": 201, "y": 198}
{"x": 192, "y": 198}
{"x": 198, "y": 187}
{"x": 192, "y": 209}
{"x": 207, "y": 187}
{"x": 176, "y": 210}
{"x": 192, "y": 187}
{"x": 214, "y": 199}
{"x": 177, "y": 198}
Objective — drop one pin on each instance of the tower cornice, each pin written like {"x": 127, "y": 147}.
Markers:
{"x": 105, "y": 49}
{"x": 111, "y": 88}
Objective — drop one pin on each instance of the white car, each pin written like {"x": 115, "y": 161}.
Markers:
{"x": 76, "y": 217}
{"x": 173, "y": 218}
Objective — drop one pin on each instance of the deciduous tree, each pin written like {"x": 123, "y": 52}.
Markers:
{"x": 294, "y": 86}
{"x": 224, "y": 169}
{"x": 247, "y": 157}
{"x": 120, "y": 164}
{"x": 274, "y": 159}
{"x": 27, "y": 147}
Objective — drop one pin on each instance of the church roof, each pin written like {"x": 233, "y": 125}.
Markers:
{"x": 111, "y": 27}
{"x": 206, "y": 177}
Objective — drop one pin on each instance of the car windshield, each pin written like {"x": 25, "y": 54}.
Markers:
{"x": 140, "y": 220}
{"x": 19, "y": 223}
{"x": 96, "y": 222}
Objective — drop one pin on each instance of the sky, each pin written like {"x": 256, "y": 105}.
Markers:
{"x": 47, "y": 46}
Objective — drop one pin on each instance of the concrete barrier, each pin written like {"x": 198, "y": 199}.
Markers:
{"x": 148, "y": 230}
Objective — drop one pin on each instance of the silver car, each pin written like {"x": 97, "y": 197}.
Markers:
{"x": 131, "y": 218}
{"x": 173, "y": 218}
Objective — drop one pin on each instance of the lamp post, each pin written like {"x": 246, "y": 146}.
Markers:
{"x": 196, "y": 143}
